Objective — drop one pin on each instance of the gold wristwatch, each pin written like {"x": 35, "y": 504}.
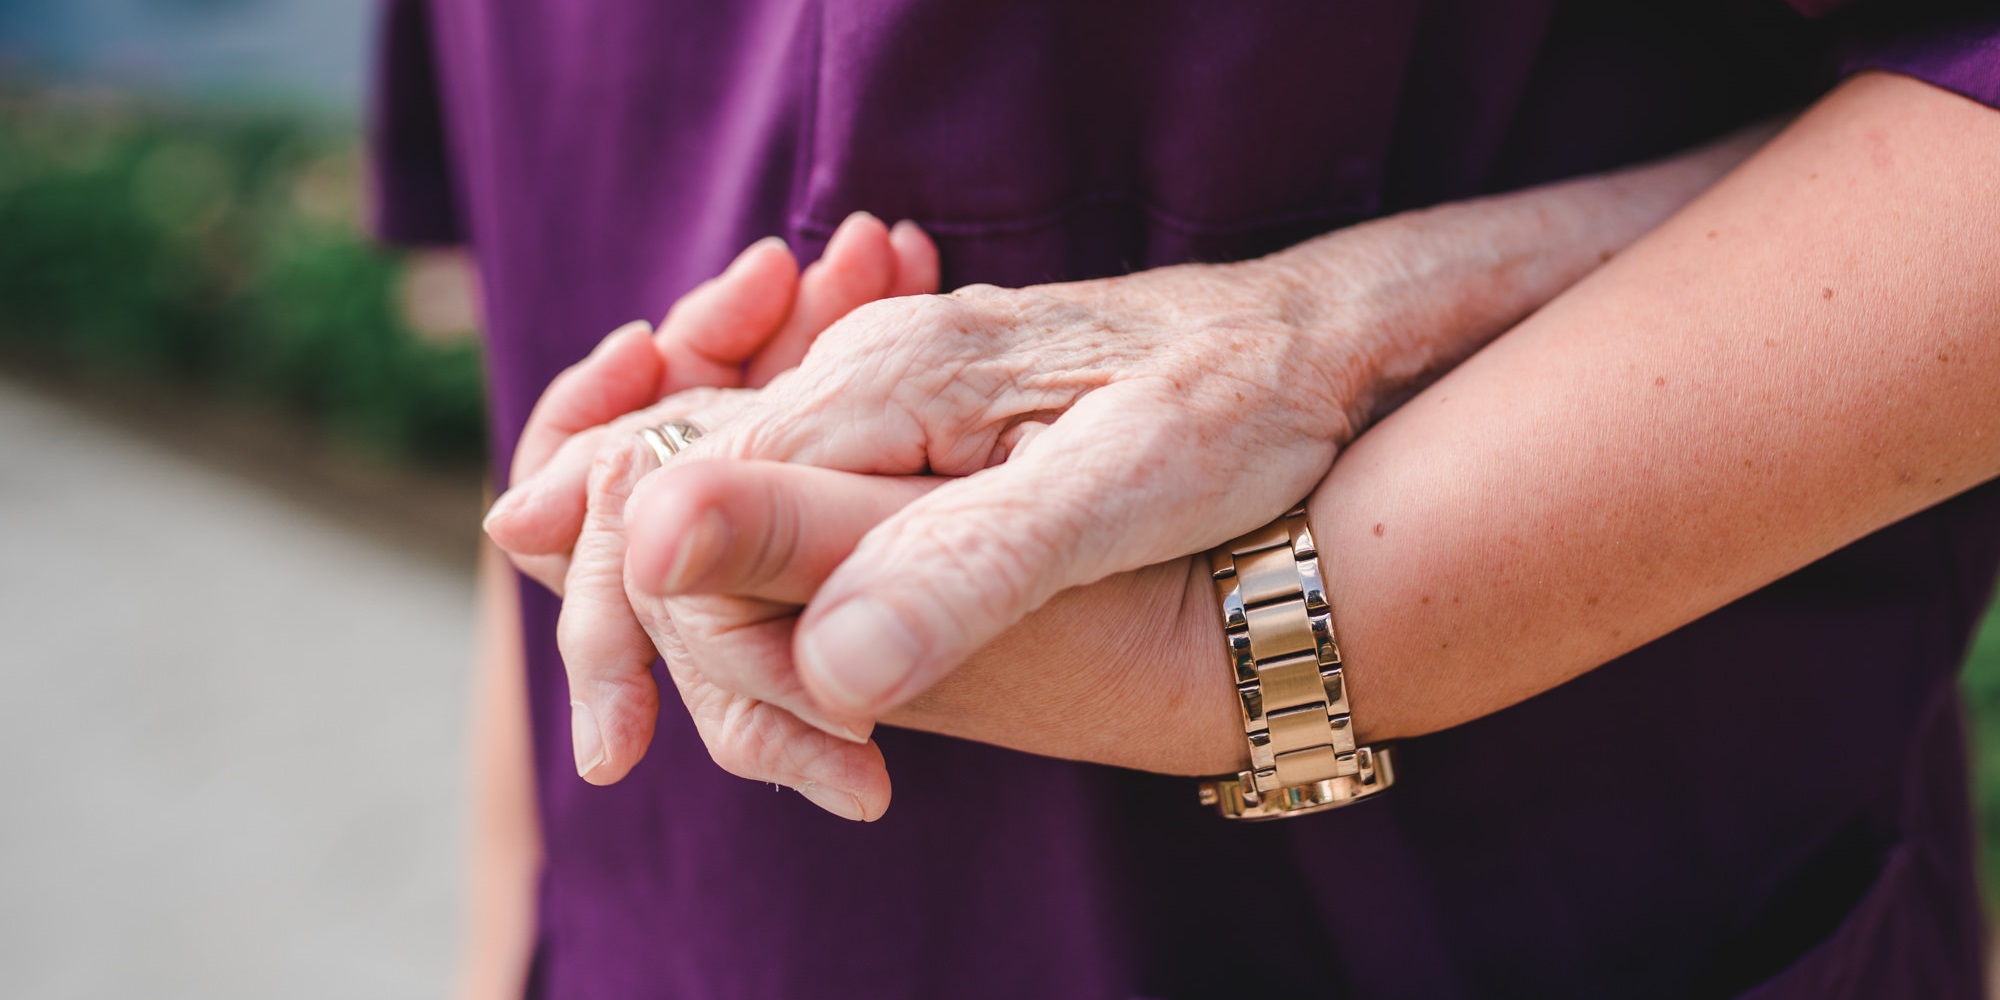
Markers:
{"x": 1279, "y": 630}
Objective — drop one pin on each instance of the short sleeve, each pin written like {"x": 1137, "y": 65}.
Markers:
{"x": 1952, "y": 44}
{"x": 1961, "y": 55}
{"x": 412, "y": 198}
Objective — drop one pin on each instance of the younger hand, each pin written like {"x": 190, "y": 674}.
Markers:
{"x": 735, "y": 330}
{"x": 1128, "y": 671}
{"x": 565, "y": 520}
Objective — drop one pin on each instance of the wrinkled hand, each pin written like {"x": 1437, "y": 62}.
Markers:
{"x": 1101, "y": 427}
{"x": 563, "y": 520}
{"x": 739, "y": 329}
{"x": 722, "y": 555}
{"x": 1098, "y": 427}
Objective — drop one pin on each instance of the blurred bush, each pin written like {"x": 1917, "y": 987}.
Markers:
{"x": 221, "y": 250}
{"x": 1982, "y": 696}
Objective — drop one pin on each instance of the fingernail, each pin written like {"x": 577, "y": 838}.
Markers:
{"x": 700, "y": 545}
{"x": 845, "y": 805}
{"x": 903, "y": 226}
{"x": 751, "y": 251}
{"x": 621, "y": 333}
{"x": 584, "y": 738}
{"x": 503, "y": 508}
{"x": 837, "y": 729}
{"x": 856, "y": 217}
{"x": 860, "y": 652}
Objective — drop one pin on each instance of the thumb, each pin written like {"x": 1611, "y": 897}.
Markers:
{"x": 954, "y": 569}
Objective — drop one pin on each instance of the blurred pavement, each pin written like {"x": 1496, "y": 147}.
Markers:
{"x": 230, "y": 731}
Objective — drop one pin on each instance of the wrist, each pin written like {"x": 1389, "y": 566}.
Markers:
{"x": 1403, "y": 299}
{"x": 1409, "y": 296}
{"x": 1291, "y": 690}
{"x": 1328, "y": 302}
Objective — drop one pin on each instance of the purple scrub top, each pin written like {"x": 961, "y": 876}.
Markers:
{"x": 1770, "y": 802}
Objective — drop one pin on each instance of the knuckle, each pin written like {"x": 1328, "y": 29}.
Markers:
{"x": 672, "y": 644}
{"x": 694, "y": 624}
{"x": 776, "y": 547}
{"x": 740, "y": 741}
{"x": 978, "y": 291}
{"x": 613, "y": 471}
{"x": 913, "y": 323}
{"x": 995, "y": 576}
{"x": 870, "y": 317}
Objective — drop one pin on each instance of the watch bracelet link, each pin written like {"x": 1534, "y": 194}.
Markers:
{"x": 1290, "y": 690}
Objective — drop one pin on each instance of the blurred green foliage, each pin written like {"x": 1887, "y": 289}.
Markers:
{"x": 1982, "y": 696}
{"x": 221, "y": 250}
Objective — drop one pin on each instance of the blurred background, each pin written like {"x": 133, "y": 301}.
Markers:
{"x": 240, "y": 460}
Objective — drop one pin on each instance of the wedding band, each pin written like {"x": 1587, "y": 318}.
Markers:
{"x": 669, "y": 438}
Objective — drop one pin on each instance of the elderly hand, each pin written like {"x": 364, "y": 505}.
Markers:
{"x": 1093, "y": 428}
{"x": 1102, "y": 426}
{"x": 722, "y": 554}
{"x": 1098, "y": 427}
{"x": 738, "y": 329}
{"x": 562, "y": 521}
{"x": 1513, "y": 559}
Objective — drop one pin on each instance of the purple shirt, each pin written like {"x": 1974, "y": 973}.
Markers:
{"x": 1626, "y": 835}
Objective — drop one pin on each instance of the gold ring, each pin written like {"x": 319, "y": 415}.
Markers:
{"x": 669, "y": 438}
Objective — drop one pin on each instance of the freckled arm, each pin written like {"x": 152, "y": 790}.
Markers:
{"x": 1806, "y": 353}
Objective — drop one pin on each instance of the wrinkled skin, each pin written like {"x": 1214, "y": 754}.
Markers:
{"x": 1068, "y": 429}
{"x": 578, "y": 456}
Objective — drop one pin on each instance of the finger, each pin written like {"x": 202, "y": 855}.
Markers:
{"x": 954, "y": 569}
{"x": 608, "y": 657}
{"x": 856, "y": 269}
{"x": 927, "y": 383}
{"x": 754, "y": 539}
{"x": 767, "y": 530}
{"x": 542, "y": 514}
{"x": 916, "y": 260}
{"x": 548, "y": 571}
{"x": 761, "y": 742}
{"x": 620, "y": 375}
{"x": 742, "y": 646}
{"x": 713, "y": 330}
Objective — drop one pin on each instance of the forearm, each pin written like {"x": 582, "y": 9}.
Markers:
{"x": 1576, "y": 489}
{"x": 1436, "y": 285}
{"x": 1807, "y": 353}
{"x": 503, "y": 861}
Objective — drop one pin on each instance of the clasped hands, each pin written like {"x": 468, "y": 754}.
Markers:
{"x": 979, "y": 514}
{"x": 968, "y": 513}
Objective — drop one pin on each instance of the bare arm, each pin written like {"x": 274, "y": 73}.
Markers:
{"x": 1197, "y": 398}
{"x": 1808, "y": 352}
{"x": 504, "y": 855}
